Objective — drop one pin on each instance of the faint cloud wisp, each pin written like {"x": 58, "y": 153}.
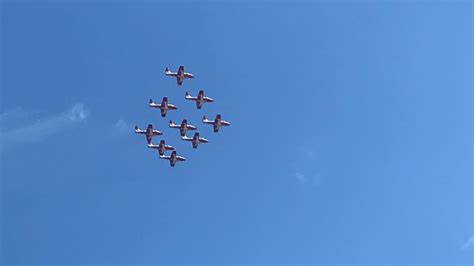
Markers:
{"x": 305, "y": 168}
{"x": 468, "y": 244}
{"x": 311, "y": 155}
{"x": 121, "y": 127}
{"x": 12, "y": 131}
{"x": 301, "y": 177}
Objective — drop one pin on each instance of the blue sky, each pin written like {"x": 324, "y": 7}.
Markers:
{"x": 351, "y": 136}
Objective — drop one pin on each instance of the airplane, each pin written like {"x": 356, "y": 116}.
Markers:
{"x": 217, "y": 122}
{"x": 180, "y": 75}
{"x": 162, "y": 147}
{"x": 183, "y": 127}
{"x": 149, "y": 132}
{"x": 173, "y": 158}
{"x": 164, "y": 106}
{"x": 196, "y": 140}
{"x": 200, "y": 99}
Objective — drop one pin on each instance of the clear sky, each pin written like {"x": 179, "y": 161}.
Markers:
{"x": 351, "y": 136}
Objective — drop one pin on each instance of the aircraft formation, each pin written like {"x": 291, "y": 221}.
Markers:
{"x": 184, "y": 126}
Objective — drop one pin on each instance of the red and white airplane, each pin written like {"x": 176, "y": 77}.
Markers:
{"x": 200, "y": 99}
{"x": 180, "y": 75}
{"x": 217, "y": 122}
{"x": 149, "y": 132}
{"x": 196, "y": 140}
{"x": 162, "y": 147}
{"x": 164, "y": 106}
{"x": 173, "y": 158}
{"x": 183, "y": 127}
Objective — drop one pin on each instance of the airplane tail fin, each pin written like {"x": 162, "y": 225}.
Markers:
{"x": 136, "y": 128}
{"x": 204, "y": 118}
{"x": 150, "y": 126}
{"x": 167, "y": 70}
{"x": 196, "y": 135}
{"x": 151, "y": 101}
{"x": 185, "y": 121}
{"x": 171, "y": 122}
{"x": 201, "y": 92}
{"x": 218, "y": 116}
{"x": 165, "y": 99}
{"x": 187, "y": 94}
{"x": 162, "y": 142}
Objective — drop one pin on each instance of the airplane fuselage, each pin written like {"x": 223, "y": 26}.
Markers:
{"x": 180, "y": 78}
{"x": 200, "y": 99}
{"x": 195, "y": 142}
{"x": 161, "y": 149}
{"x": 149, "y": 135}
{"x": 183, "y": 129}
{"x": 173, "y": 160}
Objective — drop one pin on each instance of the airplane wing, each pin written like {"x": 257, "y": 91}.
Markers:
{"x": 186, "y": 138}
{"x": 151, "y": 103}
{"x": 139, "y": 131}
{"x": 170, "y": 73}
{"x": 188, "y": 96}
{"x": 173, "y": 125}
{"x": 173, "y": 74}
{"x": 208, "y": 99}
{"x": 206, "y": 121}
{"x": 153, "y": 146}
